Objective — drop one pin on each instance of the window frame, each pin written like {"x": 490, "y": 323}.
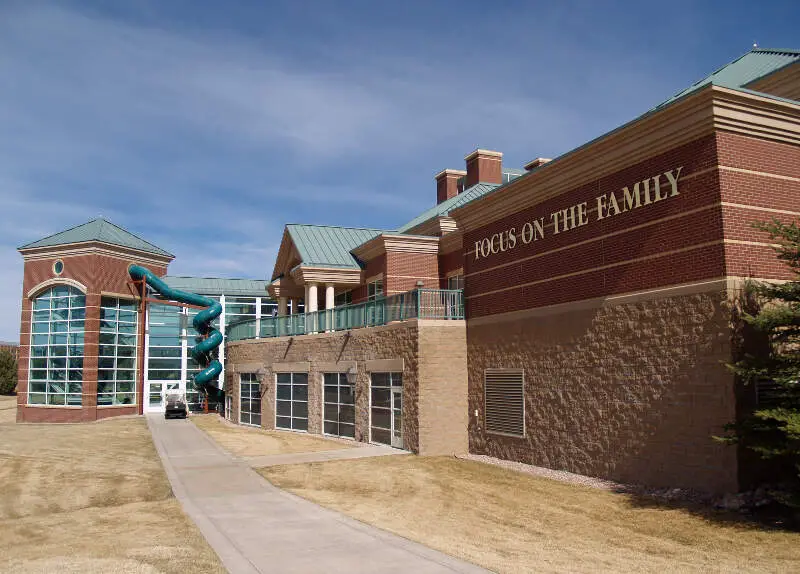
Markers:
{"x": 253, "y": 382}
{"x": 340, "y": 376}
{"x": 375, "y": 289}
{"x": 110, "y": 322}
{"x": 292, "y": 401}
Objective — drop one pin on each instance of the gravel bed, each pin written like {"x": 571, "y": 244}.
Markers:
{"x": 667, "y": 494}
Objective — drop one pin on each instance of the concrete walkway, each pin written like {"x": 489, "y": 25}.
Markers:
{"x": 256, "y": 527}
{"x": 359, "y": 451}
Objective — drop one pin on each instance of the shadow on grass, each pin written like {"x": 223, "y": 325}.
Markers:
{"x": 764, "y": 515}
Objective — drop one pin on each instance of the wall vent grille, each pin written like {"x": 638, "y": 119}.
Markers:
{"x": 504, "y": 400}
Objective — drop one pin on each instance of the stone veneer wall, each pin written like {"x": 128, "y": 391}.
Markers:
{"x": 631, "y": 392}
{"x": 433, "y": 358}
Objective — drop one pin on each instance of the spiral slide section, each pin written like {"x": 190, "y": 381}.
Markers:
{"x": 209, "y": 339}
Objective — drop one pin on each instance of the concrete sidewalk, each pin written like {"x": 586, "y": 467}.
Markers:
{"x": 255, "y": 527}
{"x": 359, "y": 451}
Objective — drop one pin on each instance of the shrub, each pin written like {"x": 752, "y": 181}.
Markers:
{"x": 8, "y": 373}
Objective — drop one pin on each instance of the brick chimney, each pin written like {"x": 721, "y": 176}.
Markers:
{"x": 447, "y": 184}
{"x": 533, "y": 164}
{"x": 484, "y": 166}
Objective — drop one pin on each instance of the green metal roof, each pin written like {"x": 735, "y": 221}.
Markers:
{"x": 442, "y": 209}
{"x": 324, "y": 246}
{"x": 218, "y": 286}
{"x": 744, "y": 70}
{"x": 98, "y": 230}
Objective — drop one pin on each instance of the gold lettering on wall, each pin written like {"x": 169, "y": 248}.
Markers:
{"x": 641, "y": 194}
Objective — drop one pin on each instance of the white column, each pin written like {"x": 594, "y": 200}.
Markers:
{"x": 330, "y": 303}
{"x": 311, "y": 298}
{"x": 312, "y": 321}
{"x": 330, "y": 297}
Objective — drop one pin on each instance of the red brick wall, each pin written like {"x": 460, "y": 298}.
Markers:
{"x": 99, "y": 273}
{"x": 760, "y": 193}
{"x": 630, "y": 256}
{"x": 404, "y": 270}
{"x": 449, "y": 263}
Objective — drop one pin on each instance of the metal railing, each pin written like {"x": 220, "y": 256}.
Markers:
{"x": 417, "y": 304}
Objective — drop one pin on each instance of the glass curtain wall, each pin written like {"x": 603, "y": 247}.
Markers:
{"x": 165, "y": 323}
{"x": 57, "y": 336}
{"x": 193, "y": 397}
{"x": 172, "y": 336}
{"x": 116, "y": 364}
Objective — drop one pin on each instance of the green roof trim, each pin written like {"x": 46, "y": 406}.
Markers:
{"x": 444, "y": 208}
{"x": 98, "y": 230}
{"x": 744, "y": 70}
{"x": 329, "y": 246}
{"x": 218, "y": 286}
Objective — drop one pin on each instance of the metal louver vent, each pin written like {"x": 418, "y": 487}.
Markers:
{"x": 504, "y": 398}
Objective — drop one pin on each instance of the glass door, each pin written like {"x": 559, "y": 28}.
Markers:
{"x": 155, "y": 397}
{"x": 156, "y": 393}
{"x": 386, "y": 409}
{"x": 397, "y": 418}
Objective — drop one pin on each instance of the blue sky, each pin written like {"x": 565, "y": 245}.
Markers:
{"x": 205, "y": 126}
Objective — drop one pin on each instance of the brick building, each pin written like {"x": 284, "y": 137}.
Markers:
{"x": 575, "y": 314}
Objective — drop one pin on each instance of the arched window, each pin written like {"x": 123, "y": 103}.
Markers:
{"x": 55, "y": 376}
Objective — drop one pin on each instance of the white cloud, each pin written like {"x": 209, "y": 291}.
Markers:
{"x": 207, "y": 142}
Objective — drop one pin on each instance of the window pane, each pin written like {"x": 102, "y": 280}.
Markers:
{"x": 381, "y": 418}
{"x": 381, "y": 398}
{"x": 283, "y": 408}
{"x": 300, "y": 392}
{"x": 299, "y": 409}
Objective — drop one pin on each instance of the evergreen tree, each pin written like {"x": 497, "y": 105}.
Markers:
{"x": 772, "y": 430}
{"x": 8, "y": 372}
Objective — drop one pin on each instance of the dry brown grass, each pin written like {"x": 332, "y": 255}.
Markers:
{"x": 246, "y": 442}
{"x": 91, "y": 498}
{"x": 8, "y": 409}
{"x": 512, "y": 522}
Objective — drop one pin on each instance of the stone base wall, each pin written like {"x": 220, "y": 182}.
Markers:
{"x": 631, "y": 391}
{"x": 430, "y": 354}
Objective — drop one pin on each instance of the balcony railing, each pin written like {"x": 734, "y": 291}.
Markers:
{"x": 417, "y": 304}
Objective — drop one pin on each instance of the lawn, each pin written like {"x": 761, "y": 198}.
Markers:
{"x": 91, "y": 498}
{"x": 249, "y": 441}
{"x": 512, "y": 522}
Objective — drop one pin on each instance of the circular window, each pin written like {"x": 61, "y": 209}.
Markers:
{"x": 58, "y": 267}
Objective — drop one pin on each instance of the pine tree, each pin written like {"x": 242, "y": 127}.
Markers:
{"x": 772, "y": 430}
{"x": 8, "y": 372}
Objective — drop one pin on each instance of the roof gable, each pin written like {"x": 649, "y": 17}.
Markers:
{"x": 101, "y": 231}
{"x": 324, "y": 246}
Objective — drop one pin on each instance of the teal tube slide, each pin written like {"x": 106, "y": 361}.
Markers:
{"x": 209, "y": 339}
